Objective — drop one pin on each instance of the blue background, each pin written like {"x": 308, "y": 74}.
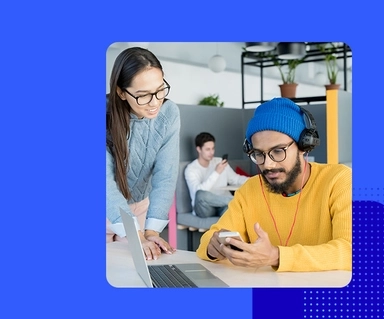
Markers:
{"x": 52, "y": 160}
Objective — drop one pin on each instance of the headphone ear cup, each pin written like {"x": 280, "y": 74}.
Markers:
{"x": 247, "y": 147}
{"x": 308, "y": 140}
{"x": 309, "y": 137}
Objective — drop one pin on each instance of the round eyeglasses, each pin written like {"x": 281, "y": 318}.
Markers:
{"x": 147, "y": 98}
{"x": 276, "y": 154}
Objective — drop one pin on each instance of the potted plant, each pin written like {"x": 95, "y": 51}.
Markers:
{"x": 288, "y": 88}
{"x": 331, "y": 65}
{"x": 211, "y": 100}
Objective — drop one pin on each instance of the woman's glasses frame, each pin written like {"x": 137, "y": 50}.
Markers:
{"x": 166, "y": 89}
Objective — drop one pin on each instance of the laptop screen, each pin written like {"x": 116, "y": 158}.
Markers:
{"x": 135, "y": 247}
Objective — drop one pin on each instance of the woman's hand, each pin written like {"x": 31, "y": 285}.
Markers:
{"x": 153, "y": 244}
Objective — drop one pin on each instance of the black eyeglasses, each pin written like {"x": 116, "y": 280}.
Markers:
{"x": 276, "y": 155}
{"x": 147, "y": 98}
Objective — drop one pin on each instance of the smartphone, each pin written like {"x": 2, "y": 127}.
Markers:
{"x": 232, "y": 234}
{"x": 225, "y": 157}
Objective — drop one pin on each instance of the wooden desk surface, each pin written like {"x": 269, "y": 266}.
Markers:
{"x": 121, "y": 272}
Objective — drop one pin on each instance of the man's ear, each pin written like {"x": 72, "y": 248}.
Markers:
{"x": 120, "y": 93}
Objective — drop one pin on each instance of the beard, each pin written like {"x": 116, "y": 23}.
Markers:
{"x": 280, "y": 188}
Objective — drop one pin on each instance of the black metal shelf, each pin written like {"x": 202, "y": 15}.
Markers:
{"x": 307, "y": 100}
{"x": 313, "y": 55}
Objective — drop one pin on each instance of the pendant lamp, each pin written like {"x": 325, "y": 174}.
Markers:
{"x": 291, "y": 50}
{"x": 260, "y": 46}
{"x": 217, "y": 62}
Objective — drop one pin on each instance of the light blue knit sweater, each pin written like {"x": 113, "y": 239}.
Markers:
{"x": 153, "y": 167}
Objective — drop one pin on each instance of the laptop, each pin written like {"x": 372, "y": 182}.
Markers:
{"x": 189, "y": 275}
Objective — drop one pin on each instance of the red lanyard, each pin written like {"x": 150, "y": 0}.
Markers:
{"x": 297, "y": 208}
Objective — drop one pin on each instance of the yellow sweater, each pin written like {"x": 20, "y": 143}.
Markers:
{"x": 322, "y": 235}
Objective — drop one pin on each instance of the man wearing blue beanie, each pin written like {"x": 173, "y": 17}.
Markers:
{"x": 294, "y": 215}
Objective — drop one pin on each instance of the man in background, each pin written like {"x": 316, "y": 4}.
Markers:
{"x": 206, "y": 177}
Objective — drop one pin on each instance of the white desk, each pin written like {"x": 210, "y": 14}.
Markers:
{"x": 121, "y": 271}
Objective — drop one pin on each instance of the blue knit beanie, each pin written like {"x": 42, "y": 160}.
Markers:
{"x": 279, "y": 114}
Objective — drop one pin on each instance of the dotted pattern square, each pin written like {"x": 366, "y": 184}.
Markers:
{"x": 363, "y": 296}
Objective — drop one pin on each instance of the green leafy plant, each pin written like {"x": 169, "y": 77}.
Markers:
{"x": 330, "y": 61}
{"x": 287, "y": 68}
{"x": 287, "y": 76}
{"x": 211, "y": 100}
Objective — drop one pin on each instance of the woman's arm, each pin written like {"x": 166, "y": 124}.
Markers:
{"x": 165, "y": 171}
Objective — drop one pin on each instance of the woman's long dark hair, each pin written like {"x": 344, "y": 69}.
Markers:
{"x": 127, "y": 65}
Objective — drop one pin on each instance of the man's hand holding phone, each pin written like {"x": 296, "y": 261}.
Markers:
{"x": 223, "y": 164}
{"x": 228, "y": 234}
{"x": 218, "y": 239}
{"x": 255, "y": 255}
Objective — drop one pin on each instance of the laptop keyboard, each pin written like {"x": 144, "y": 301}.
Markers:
{"x": 169, "y": 276}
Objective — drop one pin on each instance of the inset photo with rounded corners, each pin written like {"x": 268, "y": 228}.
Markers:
{"x": 284, "y": 186}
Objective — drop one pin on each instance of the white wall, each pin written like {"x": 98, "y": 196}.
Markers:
{"x": 189, "y": 84}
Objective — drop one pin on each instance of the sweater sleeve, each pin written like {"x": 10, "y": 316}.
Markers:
{"x": 231, "y": 220}
{"x": 165, "y": 173}
{"x": 336, "y": 253}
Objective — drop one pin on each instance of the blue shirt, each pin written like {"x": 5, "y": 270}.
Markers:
{"x": 153, "y": 167}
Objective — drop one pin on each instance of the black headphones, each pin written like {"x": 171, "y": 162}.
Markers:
{"x": 309, "y": 137}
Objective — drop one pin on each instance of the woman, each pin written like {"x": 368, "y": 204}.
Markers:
{"x": 142, "y": 148}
